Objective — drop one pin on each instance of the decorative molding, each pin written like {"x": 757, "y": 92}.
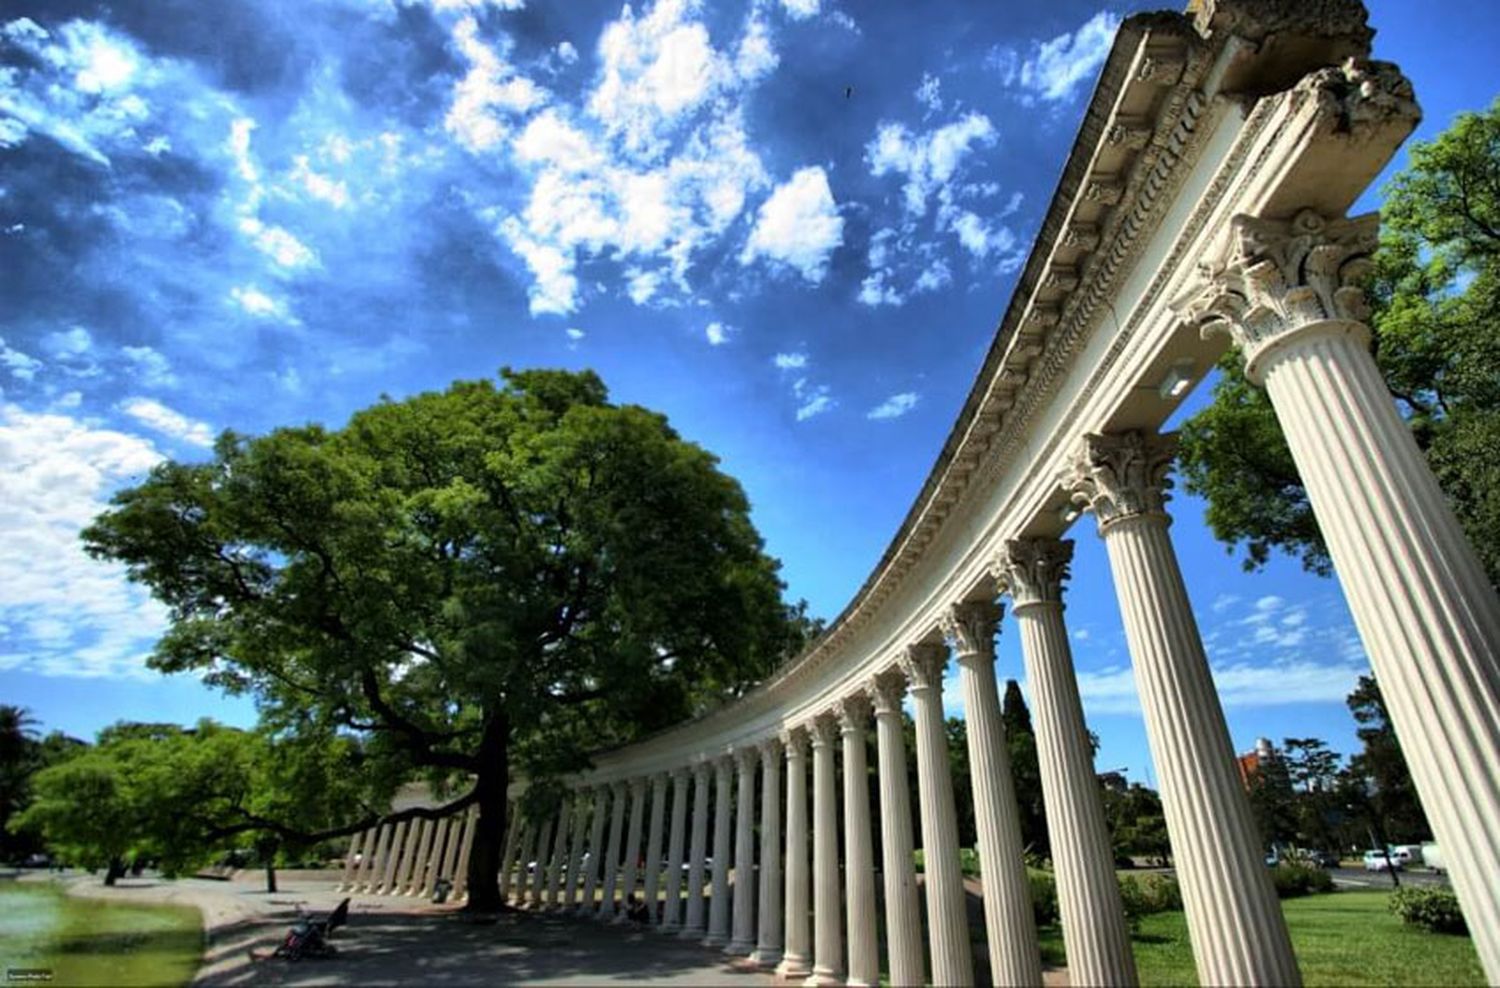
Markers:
{"x": 887, "y": 690}
{"x": 1121, "y": 476}
{"x": 795, "y": 740}
{"x": 923, "y": 663}
{"x": 854, "y": 713}
{"x": 1256, "y": 20}
{"x": 1281, "y": 276}
{"x": 970, "y": 626}
{"x": 823, "y": 729}
{"x": 1033, "y": 571}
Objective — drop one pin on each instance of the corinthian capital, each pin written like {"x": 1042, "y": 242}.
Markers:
{"x": 1121, "y": 476}
{"x": 970, "y": 625}
{"x": 770, "y": 751}
{"x": 923, "y": 663}
{"x": 1281, "y": 276}
{"x": 1033, "y": 570}
{"x": 824, "y": 730}
{"x": 854, "y": 713}
{"x": 887, "y": 689}
{"x": 795, "y": 741}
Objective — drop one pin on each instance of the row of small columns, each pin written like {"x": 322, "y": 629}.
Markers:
{"x": 409, "y": 857}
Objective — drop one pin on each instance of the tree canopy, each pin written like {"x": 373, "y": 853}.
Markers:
{"x": 1435, "y": 293}
{"x": 470, "y": 580}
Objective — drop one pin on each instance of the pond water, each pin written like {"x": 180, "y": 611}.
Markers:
{"x": 92, "y": 942}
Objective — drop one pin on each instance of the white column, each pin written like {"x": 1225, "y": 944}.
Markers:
{"x": 797, "y": 957}
{"x": 828, "y": 943}
{"x": 508, "y": 855}
{"x": 351, "y": 862}
{"x": 466, "y": 844}
{"x": 433, "y": 864}
{"x": 417, "y": 876}
{"x": 1093, "y": 920}
{"x": 546, "y": 828}
{"x": 450, "y": 854}
{"x": 671, "y": 917}
{"x": 1010, "y": 927}
{"x": 559, "y": 856}
{"x": 947, "y": 916}
{"x": 372, "y": 867}
{"x": 1292, "y": 299}
{"x": 612, "y": 855}
{"x": 596, "y": 852}
{"x": 743, "y": 941}
{"x": 718, "y": 900}
{"x": 859, "y": 855}
{"x": 1234, "y": 920}
{"x": 393, "y": 858}
{"x": 576, "y": 849}
{"x": 768, "y": 940}
{"x": 654, "y": 836}
{"x": 903, "y": 911}
{"x": 524, "y": 875}
{"x": 692, "y": 926}
{"x": 630, "y": 868}
{"x": 404, "y": 859}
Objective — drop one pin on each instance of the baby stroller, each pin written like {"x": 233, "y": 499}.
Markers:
{"x": 309, "y": 937}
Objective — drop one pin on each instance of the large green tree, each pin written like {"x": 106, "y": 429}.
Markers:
{"x": 1435, "y": 292}
{"x": 474, "y": 581}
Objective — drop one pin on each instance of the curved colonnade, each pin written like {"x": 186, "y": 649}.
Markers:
{"x": 1202, "y": 204}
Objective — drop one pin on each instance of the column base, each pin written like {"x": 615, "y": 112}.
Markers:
{"x": 715, "y": 940}
{"x": 690, "y": 933}
{"x": 793, "y": 967}
{"x": 742, "y": 948}
{"x": 821, "y": 977}
{"x": 768, "y": 958}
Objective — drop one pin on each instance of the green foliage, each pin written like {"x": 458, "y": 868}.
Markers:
{"x": 1435, "y": 294}
{"x": 1025, "y": 769}
{"x": 1135, "y": 819}
{"x": 1432, "y": 908}
{"x": 1379, "y": 790}
{"x": 1044, "y": 908}
{"x": 1295, "y": 878}
{"x": 1144, "y": 895}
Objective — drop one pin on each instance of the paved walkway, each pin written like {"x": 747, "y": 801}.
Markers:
{"x": 410, "y": 941}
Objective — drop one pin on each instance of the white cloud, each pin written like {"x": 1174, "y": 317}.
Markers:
{"x": 894, "y": 407}
{"x": 319, "y": 186}
{"x": 490, "y": 97}
{"x": 574, "y": 333}
{"x": 717, "y": 333}
{"x": 1245, "y": 684}
{"x": 278, "y": 244}
{"x": 62, "y": 612}
{"x": 801, "y": 9}
{"x": 75, "y": 342}
{"x": 799, "y": 225}
{"x": 816, "y": 401}
{"x": 169, "y": 422}
{"x": 257, "y": 302}
{"x": 929, "y": 93}
{"x": 1058, "y": 67}
{"x": 149, "y": 367}
{"x": 928, "y": 160}
{"x": 22, "y": 366}
{"x": 790, "y": 361}
{"x": 566, "y": 53}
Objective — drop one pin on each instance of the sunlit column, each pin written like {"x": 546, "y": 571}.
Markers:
{"x": 581, "y": 806}
{"x": 1093, "y": 920}
{"x": 1235, "y": 922}
{"x": 947, "y": 918}
{"x": 1292, "y": 297}
{"x": 404, "y": 859}
{"x": 418, "y": 874}
{"x": 768, "y": 938}
{"x": 596, "y": 852}
{"x": 431, "y": 869}
{"x": 370, "y": 869}
{"x": 393, "y": 858}
{"x": 671, "y": 917}
{"x": 1010, "y": 928}
{"x": 692, "y": 926}
{"x": 744, "y": 855}
{"x": 859, "y": 860}
{"x": 455, "y": 839}
{"x": 718, "y": 902}
{"x": 351, "y": 863}
{"x": 828, "y": 941}
{"x": 612, "y": 856}
{"x": 630, "y": 868}
{"x": 903, "y": 911}
{"x": 466, "y": 845}
{"x": 798, "y": 954}
{"x": 654, "y": 837}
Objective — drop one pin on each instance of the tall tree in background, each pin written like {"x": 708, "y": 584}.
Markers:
{"x": 18, "y": 754}
{"x": 1435, "y": 295}
{"x": 1025, "y": 769}
{"x": 1381, "y": 782}
{"x": 475, "y": 581}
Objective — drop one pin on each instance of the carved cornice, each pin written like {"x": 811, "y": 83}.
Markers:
{"x": 887, "y": 689}
{"x": 970, "y": 627}
{"x": 1121, "y": 476}
{"x": 1032, "y": 571}
{"x": 1361, "y": 97}
{"x": 923, "y": 663}
{"x": 1281, "y": 276}
{"x": 854, "y": 713}
{"x": 1257, "y": 20}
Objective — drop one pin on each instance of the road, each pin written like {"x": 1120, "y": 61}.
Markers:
{"x": 1356, "y": 878}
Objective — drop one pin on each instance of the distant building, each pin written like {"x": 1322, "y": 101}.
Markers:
{"x": 1251, "y": 761}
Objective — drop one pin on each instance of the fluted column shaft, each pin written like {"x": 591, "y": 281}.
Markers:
{"x": 859, "y": 855}
{"x": 1010, "y": 928}
{"x": 450, "y": 853}
{"x": 1093, "y": 918}
{"x": 743, "y": 941}
{"x": 718, "y": 902}
{"x": 692, "y": 925}
{"x": 434, "y": 863}
{"x": 370, "y": 867}
{"x": 559, "y": 855}
{"x": 797, "y": 955}
{"x": 351, "y": 862}
{"x": 1424, "y": 607}
{"x": 576, "y": 850}
{"x": 466, "y": 845}
{"x": 393, "y": 858}
{"x": 654, "y": 837}
{"x": 671, "y": 917}
{"x": 903, "y": 911}
{"x": 768, "y": 940}
{"x": 524, "y": 876}
{"x": 828, "y": 942}
{"x": 508, "y": 855}
{"x": 597, "y": 853}
{"x": 545, "y": 829}
{"x": 947, "y": 917}
{"x": 631, "y": 867}
{"x": 612, "y": 859}
{"x": 418, "y": 877}
{"x": 404, "y": 858}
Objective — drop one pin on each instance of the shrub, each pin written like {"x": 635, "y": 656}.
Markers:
{"x": 1149, "y": 894}
{"x": 1434, "y": 908}
{"x": 1043, "y": 896}
{"x": 1293, "y": 879}
{"x": 968, "y": 861}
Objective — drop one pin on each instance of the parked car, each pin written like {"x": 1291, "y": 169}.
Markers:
{"x": 1378, "y": 860}
{"x": 1432, "y": 857}
{"x": 1324, "y": 859}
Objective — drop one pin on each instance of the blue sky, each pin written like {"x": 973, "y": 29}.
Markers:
{"x": 791, "y": 226}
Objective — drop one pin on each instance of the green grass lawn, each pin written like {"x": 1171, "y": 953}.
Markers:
{"x": 1345, "y": 938}
{"x": 93, "y": 942}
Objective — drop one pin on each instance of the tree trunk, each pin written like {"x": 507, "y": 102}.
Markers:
{"x": 490, "y": 784}
{"x": 270, "y": 875}
{"x": 115, "y": 869}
